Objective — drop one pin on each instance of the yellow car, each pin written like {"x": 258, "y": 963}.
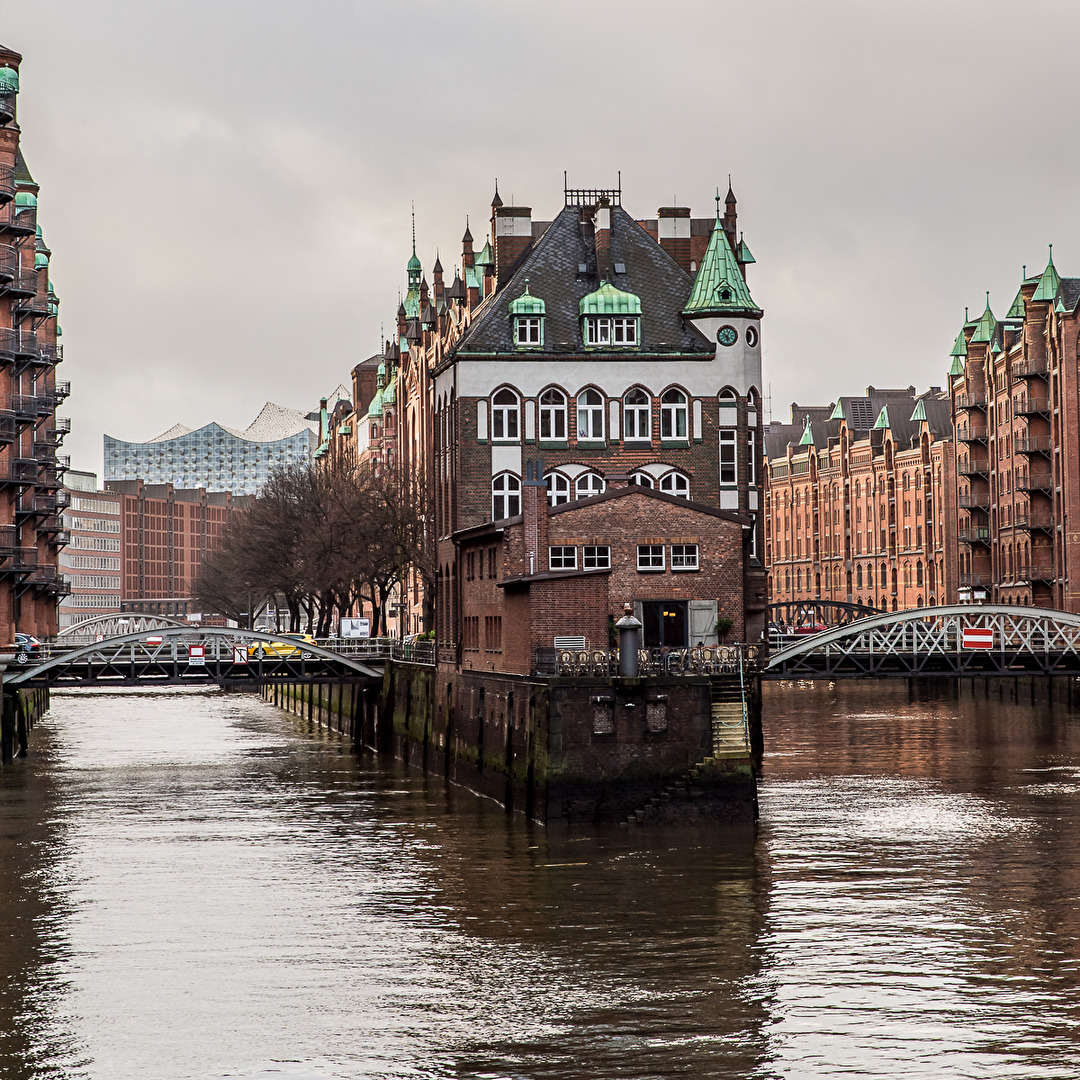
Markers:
{"x": 279, "y": 649}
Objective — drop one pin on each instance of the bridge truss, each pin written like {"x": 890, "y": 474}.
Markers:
{"x": 796, "y": 614}
{"x": 183, "y": 656}
{"x": 116, "y": 624}
{"x": 930, "y": 642}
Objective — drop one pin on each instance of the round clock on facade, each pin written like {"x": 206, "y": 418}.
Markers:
{"x": 751, "y": 336}
{"x": 727, "y": 335}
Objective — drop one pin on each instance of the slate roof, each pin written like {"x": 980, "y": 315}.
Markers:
{"x": 552, "y": 269}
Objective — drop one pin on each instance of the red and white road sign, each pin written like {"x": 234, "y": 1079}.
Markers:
{"x": 978, "y": 637}
{"x": 239, "y": 654}
{"x": 153, "y": 641}
{"x": 197, "y": 655}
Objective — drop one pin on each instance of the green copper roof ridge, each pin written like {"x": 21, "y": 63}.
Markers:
{"x": 609, "y": 299}
{"x": 919, "y": 412}
{"x": 1016, "y": 311}
{"x": 719, "y": 272}
{"x": 838, "y": 411}
{"x": 959, "y": 345}
{"x": 957, "y": 366}
{"x": 985, "y": 327}
{"x": 807, "y": 435}
{"x": 882, "y": 420}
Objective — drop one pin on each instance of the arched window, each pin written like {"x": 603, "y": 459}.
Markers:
{"x": 504, "y": 415}
{"x": 870, "y": 576}
{"x": 858, "y": 576}
{"x": 787, "y": 581}
{"x": 552, "y": 414}
{"x": 729, "y": 407}
{"x": 637, "y": 416}
{"x": 673, "y": 415}
{"x": 590, "y": 416}
{"x": 505, "y": 496}
{"x": 642, "y": 478}
{"x": 676, "y": 484}
{"x": 589, "y": 484}
{"x": 919, "y": 575}
{"x": 558, "y": 487}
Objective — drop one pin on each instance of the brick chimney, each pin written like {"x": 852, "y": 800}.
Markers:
{"x": 534, "y": 510}
{"x": 602, "y": 239}
{"x": 616, "y": 480}
{"x": 511, "y": 238}
{"x": 673, "y": 233}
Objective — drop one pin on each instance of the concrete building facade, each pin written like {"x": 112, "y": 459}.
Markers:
{"x": 91, "y": 561}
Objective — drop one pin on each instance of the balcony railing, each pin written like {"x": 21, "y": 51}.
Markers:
{"x": 60, "y": 538}
{"x": 1035, "y": 573}
{"x": 974, "y": 400}
{"x": 62, "y": 391}
{"x": 1035, "y": 482}
{"x": 977, "y": 500}
{"x": 18, "y": 342}
{"x": 62, "y": 426}
{"x": 1033, "y": 444}
{"x": 7, "y": 172}
{"x": 18, "y": 220}
{"x": 973, "y": 468}
{"x": 7, "y": 114}
{"x": 1021, "y": 369}
{"x": 971, "y": 434}
{"x": 1041, "y": 521}
{"x": 9, "y": 263}
{"x": 51, "y": 524}
{"x": 19, "y": 471}
{"x": 980, "y": 534}
{"x": 975, "y": 579}
{"x": 1032, "y": 406}
{"x": 23, "y": 286}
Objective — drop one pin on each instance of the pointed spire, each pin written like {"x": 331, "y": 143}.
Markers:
{"x": 729, "y": 200}
{"x": 986, "y": 327}
{"x": 496, "y": 202}
{"x": 882, "y": 422}
{"x": 957, "y": 367}
{"x": 437, "y": 268}
{"x": 919, "y": 413}
{"x": 717, "y": 200}
{"x": 467, "y": 238}
{"x": 1049, "y": 283}
{"x": 807, "y": 435}
{"x": 719, "y": 285}
{"x": 838, "y": 411}
{"x": 959, "y": 345}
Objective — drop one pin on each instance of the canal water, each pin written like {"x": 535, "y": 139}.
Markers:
{"x": 196, "y": 885}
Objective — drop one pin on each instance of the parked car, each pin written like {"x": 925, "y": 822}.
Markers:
{"x": 27, "y": 649}
{"x": 280, "y": 649}
{"x": 810, "y": 628}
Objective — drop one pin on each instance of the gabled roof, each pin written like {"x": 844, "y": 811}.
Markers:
{"x": 959, "y": 345}
{"x": 551, "y": 267}
{"x": 808, "y": 434}
{"x": 919, "y": 413}
{"x": 719, "y": 285}
{"x": 883, "y": 418}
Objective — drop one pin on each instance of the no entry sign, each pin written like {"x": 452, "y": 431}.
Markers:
{"x": 978, "y": 637}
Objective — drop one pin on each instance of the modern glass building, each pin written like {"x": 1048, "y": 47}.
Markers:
{"x": 215, "y": 457}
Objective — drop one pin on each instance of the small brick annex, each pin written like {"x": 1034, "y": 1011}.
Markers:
{"x": 514, "y": 603}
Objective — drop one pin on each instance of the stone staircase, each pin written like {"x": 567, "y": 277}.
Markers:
{"x": 731, "y": 741}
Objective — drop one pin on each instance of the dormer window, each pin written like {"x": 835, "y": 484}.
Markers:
{"x": 610, "y": 319}
{"x": 527, "y": 317}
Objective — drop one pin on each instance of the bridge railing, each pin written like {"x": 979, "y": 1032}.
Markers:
{"x": 604, "y": 663}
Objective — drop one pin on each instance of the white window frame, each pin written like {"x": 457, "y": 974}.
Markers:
{"x": 505, "y": 496}
{"x": 585, "y": 482}
{"x": 684, "y": 557}
{"x": 751, "y": 457}
{"x": 647, "y": 555}
{"x": 674, "y": 416}
{"x": 624, "y": 330}
{"x": 729, "y": 458}
{"x": 590, "y": 415}
{"x": 528, "y": 330}
{"x": 597, "y": 330}
{"x": 596, "y": 557}
{"x": 505, "y": 417}
{"x": 562, "y": 557}
{"x": 558, "y": 489}
{"x": 637, "y": 417}
{"x": 642, "y": 479}
{"x": 553, "y": 415}
{"x": 676, "y": 479}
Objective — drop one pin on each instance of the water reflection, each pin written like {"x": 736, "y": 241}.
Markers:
{"x": 199, "y": 887}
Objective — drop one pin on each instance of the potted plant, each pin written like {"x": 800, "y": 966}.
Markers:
{"x": 723, "y": 627}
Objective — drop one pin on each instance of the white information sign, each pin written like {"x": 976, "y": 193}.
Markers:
{"x": 239, "y": 654}
{"x": 196, "y": 656}
{"x": 355, "y": 628}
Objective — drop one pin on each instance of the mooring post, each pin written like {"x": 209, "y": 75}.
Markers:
{"x": 629, "y": 637}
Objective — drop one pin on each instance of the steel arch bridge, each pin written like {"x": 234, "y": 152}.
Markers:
{"x": 186, "y": 656}
{"x": 117, "y": 623}
{"x": 930, "y": 642}
{"x": 799, "y": 613}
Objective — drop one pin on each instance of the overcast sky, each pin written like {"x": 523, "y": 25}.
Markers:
{"x": 226, "y": 185}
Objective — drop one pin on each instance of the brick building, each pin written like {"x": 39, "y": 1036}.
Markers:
{"x": 165, "y": 533}
{"x": 30, "y": 433}
{"x": 860, "y": 503}
{"x": 1014, "y": 389}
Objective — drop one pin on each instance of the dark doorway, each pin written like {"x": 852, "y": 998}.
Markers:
{"x": 665, "y": 623}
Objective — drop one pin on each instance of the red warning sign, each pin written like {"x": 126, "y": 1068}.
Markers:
{"x": 978, "y": 637}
